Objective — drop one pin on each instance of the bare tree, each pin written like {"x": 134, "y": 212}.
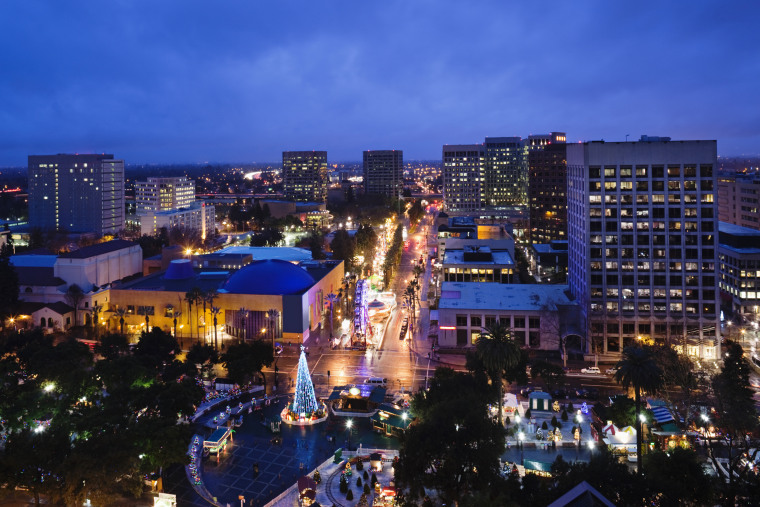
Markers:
{"x": 74, "y": 296}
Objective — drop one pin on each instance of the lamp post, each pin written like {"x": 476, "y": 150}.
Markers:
{"x": 520, "y": 439}
{"x": 332, "y": 298}
{"x": 349, "y": 424}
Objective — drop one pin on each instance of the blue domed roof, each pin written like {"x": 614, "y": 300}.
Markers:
{"x": 270, "y": 276}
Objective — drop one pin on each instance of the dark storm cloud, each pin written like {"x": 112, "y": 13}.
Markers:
{"x": 234, "y": 80}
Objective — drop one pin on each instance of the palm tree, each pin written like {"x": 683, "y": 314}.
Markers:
{"x": 193, "y": 297}
{"x": 121, "y": 313}
{"x": 96, "y": 309}
{"x": 498, "y": 352}
{"x": 638, "y": 369}
{"x": 215, "y": 310}
{"x": 208, "y": 296}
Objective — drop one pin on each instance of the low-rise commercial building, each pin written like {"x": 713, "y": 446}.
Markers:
{"x": 739, "y": 258}
{"x": 475, "y": 263}
{"x": 541, "y": 316}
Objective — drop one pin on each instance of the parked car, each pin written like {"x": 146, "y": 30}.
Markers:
{"x": 525, "y": 392}
{"x": 593, "y": 370}
{"x": 612, "y": 371}
{"x": 560, "y": 394}
{"x": 587, "y": 393}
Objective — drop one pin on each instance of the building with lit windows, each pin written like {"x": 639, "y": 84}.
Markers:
{"x": 492, "y": 176}
{"x": 304, "y": 175}
{"x": 198, "y": 216}
{"x": 505, "y": 171}
{"x": 739, "y": 257}
{"x": 547, "y": 187}
{"x": 76, "y": 193}
{"x": 160, "y": 194}
{"x": 738, "y": 200}
{"x": 384, "y": 172}
{"x": 642, "y": 244}
{"x": 463, "y": 177}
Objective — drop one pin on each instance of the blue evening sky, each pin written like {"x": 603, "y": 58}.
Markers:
{"x": 241, "y": 80}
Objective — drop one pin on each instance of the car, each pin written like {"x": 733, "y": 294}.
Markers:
{"x": 560, "y": 394}
{"x": 612, "y": 371}
{"x": 277, "y": 349}
{"x": 587, "y": 393}
{"x": 592, "y": 370}
{"x": 525, "y": 392}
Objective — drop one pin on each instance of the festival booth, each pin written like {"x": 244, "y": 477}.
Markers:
{"x": 539, "y": 400}
{"x": 361, "y": 400}
{"x": 217, "y": 441}
{"x": 511, "y": 406}
{"x": 390, "y": 420}
{"x": 618, "y": 440}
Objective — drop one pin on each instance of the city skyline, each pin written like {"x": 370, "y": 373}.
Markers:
{"x": 240, "y": 83}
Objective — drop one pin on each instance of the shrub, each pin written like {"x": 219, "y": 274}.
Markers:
{"x": 544, "y": 426}
{"x": 358, "y": 482}
{"x": 507, "y": 421}
{"x": 570, "y": 407}
{"x": 350, "y": 495}
{"x": 374, "y": 479}
{"x": 366, "y": 489}
{"x": 366, "y": 476}
{"x": 343, "y": 484}
{"x": 564, "y": 415}
{"x": 554, "y": 422}
{"x": 359, "y": 464}
{"x": 528, "y": 414}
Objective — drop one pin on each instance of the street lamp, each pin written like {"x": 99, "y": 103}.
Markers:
{"x": 521, "y": 438}
{"x": 349, "y": 424}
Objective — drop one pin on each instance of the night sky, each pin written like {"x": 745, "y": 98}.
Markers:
{"x": 160, "y": 81}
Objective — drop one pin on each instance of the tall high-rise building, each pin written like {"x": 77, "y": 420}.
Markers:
{"x": 160, "y": 194}
{"x": 739, "y": 200}
{"x": 497, "y": 172}
{"x": 463, "y": 177}
{"x": 78, "y": 193}
{"x": 505, "y": 172}
{"x": 547, "y": 187}
{"x": 304, "y": 175}
{"x": 384, "y": 172}
{"x": 643, "y": 249}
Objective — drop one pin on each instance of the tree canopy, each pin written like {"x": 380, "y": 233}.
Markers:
{"x": 78, "y": 430}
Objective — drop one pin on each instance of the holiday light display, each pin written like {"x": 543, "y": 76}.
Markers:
{"x": 361, "y": 314}
{"x": 305, "y": 409}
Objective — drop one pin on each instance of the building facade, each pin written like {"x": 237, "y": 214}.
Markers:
{"x": 738, "y": 200}
{"x": 739, "y": 257}
{"x": 642, "y": 244}
{"x": 304, "y": 175}
{"x": 77, "y": 193}
{"x": 198, "y": 216}
{"x": 536, "y": 314}
{"x": 161, "y": 194}
{"x": 463, "y": 179}
{"x": 505, "y": 171}
{"x": 547, "y": 187}
{"x": 384, "y": 172}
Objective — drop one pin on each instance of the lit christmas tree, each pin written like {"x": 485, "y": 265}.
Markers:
{"x": 305, "y": 401}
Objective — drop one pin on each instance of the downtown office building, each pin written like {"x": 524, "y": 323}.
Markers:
{"x": 161, "y": 194}
{"x": 304, "y": 175}
{"x": 490, "y": 176}
{"x": 384, "y": 172}
{"x": 643, "y": 245}
{"x": 76, "y": 193}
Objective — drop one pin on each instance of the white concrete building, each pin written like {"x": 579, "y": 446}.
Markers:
{"x": 160, "y": 194}
{"x": 198, "y": 216}
{"x": 537, "y": 314}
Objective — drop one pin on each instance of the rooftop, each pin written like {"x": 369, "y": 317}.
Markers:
{"x": 98, "y": 249}
{"x": 285, "y": 253}
{"x": 498, "y": 258}
{"x": 497, "y": 296}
